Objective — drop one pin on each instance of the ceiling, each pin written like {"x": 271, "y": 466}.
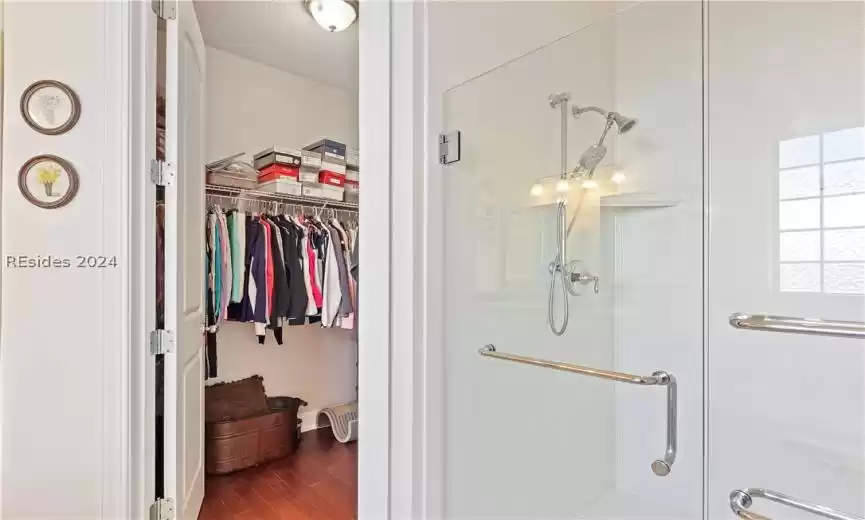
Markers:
{"x": 280, "y": 33}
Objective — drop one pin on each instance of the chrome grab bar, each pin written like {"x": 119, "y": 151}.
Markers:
{"x": 741, "y": 500}
{"x": 660, "y": 467}
{"x": 843, "y": 329}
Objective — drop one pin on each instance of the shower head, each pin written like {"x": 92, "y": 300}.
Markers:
{"x": 622, "y": 123}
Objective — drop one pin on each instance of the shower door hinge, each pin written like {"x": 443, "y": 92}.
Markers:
{"x": 165, "y": 9}
{"x": 449, "y": 147}
{"x": 162, "y": 509}
{"x": 161, "y": 172}
{"x": 161, "y": 342}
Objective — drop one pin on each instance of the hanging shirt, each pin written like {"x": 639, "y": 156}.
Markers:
{"x": 227, "y": 277}
{"x": 332, "y": 296}
{"x": 314, "y": 281}
{"x": 217, "y": 270}
{"x": 237, "y": 240}
{"x": 258, "y": 278}
{"x": 311, "y": 309}
{"x": 338, "y": 245}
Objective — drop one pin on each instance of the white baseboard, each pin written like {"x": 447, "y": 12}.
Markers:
{"x": 309, "y": 421}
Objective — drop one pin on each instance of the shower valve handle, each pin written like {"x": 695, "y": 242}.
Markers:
{"x": 586, "y": 278}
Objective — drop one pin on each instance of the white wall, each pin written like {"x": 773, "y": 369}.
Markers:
{"x": 65, "y": 331}
{"x": 251, "y": 106}
{"x": 318, "y": 365}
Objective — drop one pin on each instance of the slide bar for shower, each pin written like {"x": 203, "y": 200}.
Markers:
{"x": 660, "y": 467}
{"x": 741, "y": 500}
{"x": 843, "y": 329}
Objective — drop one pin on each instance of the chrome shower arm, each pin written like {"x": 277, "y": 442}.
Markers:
{"x": 578, "y": 111}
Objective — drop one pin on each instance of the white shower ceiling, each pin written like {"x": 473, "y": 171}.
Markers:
{"x": 281, "y": 34}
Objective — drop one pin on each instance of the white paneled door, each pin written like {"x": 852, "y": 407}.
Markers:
{"x": 184, "y": 261}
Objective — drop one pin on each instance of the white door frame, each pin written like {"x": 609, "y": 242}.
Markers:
{"x": 391, "y": 455}
{"x": 393, "y": 451}
{"x": 374, "y": 293}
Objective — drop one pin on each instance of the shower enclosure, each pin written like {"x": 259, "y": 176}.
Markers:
{"x": 695, "y": 382}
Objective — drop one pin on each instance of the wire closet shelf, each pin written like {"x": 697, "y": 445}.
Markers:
{"x": 265, "y": 201}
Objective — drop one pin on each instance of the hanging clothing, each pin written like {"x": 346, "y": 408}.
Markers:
{"x": 258, "y": 280}
{"x": 339, "y": 251}
{"x": 227, "y": 277}
{"x": 332, "y": 298}
{"x": 273, "y": 270}
{"x": 237, "y": 239}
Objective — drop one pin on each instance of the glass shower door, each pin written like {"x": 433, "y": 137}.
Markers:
{"x": 524, "y": 441}
{"x": 786, "y": 161}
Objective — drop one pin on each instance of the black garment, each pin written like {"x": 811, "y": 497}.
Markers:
{"x": 293, "y": 248}
{"x": 210, "y": 340}
{"x": 280, "y": 284}
{"x": 210, "y": 331}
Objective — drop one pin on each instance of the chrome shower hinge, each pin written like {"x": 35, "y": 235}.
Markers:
{"x": 449, "y": 147}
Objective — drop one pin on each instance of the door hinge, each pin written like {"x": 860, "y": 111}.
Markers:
{"x": 165, "y": 9}
{"x": 162, "y": 173}
{"x": 449, "y": 147}
{"x": 161, "y": 342}
{"x": 162, "y": 509}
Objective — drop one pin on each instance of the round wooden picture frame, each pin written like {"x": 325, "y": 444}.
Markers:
{"x": 50, "y": 104}
{"x": 47, "y": 178}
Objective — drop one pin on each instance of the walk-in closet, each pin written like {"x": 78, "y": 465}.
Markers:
{"x": 266, "y": 99}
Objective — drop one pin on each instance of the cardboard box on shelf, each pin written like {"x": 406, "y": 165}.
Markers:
{"x": 278, "y": 155}
{"x": 327, "y": 146}
{"x": 283, "y": 185}
{"x": 311, "y": 189}
{"x": 331, "y": 178}
{"x": 352, "y": 157}
{"x": 332, "y": 192}
{"x": 274, "y": 171}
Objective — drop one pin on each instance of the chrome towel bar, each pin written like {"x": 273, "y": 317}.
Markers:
{"x": 660, "y": 467}
{"x": 741, "y": 500}
{"x": 843, "y": 329}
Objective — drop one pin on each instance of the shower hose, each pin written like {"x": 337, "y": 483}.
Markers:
{"x": 559, "y": 268}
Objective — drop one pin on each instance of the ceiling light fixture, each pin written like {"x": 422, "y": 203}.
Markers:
{"x": 332, "y": 15}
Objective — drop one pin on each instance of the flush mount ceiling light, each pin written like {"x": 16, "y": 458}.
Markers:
{"x": 332, "y": 15}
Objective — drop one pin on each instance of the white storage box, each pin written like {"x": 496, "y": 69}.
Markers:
{"x": 311, "y": 189}
{"x": 332, "y": 192}
{"x": 284, "y": 185}
{"x": 307, "y": 175}
{"x": 310, "y": 160}
{"x": 352, "y": 157}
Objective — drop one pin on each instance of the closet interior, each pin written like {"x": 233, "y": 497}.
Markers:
{"x": 280, "y": 267}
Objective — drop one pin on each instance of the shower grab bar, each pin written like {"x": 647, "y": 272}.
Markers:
{"x": 741, "y": 500}
{"x": 842, "y": 329}
{"x": 660, "y": 467}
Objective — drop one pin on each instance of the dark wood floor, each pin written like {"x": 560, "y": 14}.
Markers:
{"x": 318, "y": 483}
